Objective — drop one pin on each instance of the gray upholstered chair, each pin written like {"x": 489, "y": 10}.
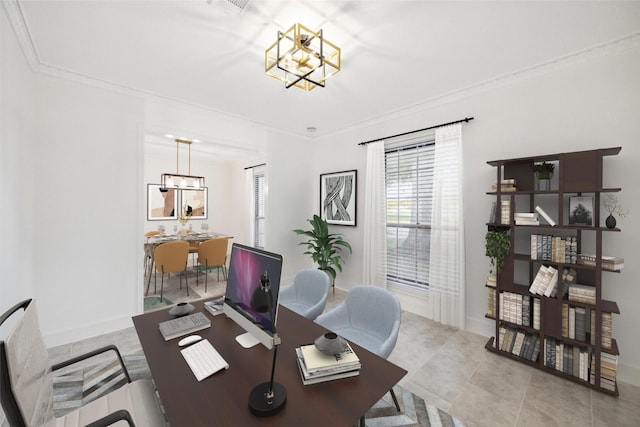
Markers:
{"x": 370, "y": 317}
{"x": 26, "y": 384}
{"x": 307, "y": 295}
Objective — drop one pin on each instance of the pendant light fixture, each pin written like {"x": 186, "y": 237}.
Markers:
{"x": 178, "y": 180}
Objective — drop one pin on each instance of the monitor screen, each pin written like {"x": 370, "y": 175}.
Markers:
{"x": 246, "y": 266}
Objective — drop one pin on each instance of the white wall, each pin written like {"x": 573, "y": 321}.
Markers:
{"x": 586, "y": 104}
{"x": 17, "y": 139}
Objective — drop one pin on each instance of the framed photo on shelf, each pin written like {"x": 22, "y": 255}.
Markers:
{"x": 195, "y": 202}
{"x": 338, "y": 197}
{"x": 162, "y": 204}
{"x": 581, "y": 211}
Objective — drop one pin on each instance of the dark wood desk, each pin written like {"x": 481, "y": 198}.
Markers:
{"x": 222, "y": 399}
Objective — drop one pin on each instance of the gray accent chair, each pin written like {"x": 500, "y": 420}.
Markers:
{"x": 370, "y": 317}
{"x": 307, "y": 295}
{"x": 26, "y": 383}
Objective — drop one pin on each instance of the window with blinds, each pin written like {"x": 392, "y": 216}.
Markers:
{"x": 409, "y": 183}
{"x": 258, "y": 209}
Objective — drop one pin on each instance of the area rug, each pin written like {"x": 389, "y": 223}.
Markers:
{"x": 75, "y": 388}
{"x": 154, "y": 303}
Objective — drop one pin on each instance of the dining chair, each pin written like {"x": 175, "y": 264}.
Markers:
{"x": 212, "y": 254}
{"x": 307, "y": 295}
{"x": 171, "y": 257}
{"x": 27, "y": 377}
{"x": 147, "y": 254}
{"x": 370, "y": 317}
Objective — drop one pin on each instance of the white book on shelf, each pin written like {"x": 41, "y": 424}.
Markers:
{"x": 545, "y": 216}
{"x": 553, "y": 282}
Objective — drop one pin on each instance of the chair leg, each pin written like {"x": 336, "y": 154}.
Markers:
{"x": 206, "y": 276}
{"x": 395, "y": 399}
{"x": 362, "y": 421}
{"x": 161, "y": 285}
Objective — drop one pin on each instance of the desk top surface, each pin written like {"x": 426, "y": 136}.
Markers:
{"x": 222, "y": 399}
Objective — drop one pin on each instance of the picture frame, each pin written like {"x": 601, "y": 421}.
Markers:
{"x": 162, "y": 204}
{"x": 197, "y": 200}
{"x": 338, "y": 197}
{"x": 581, "y": 211}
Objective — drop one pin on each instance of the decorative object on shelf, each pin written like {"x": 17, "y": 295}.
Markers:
{"x": 267, "y": 398}
{"x": 184, "y": 218}
{"x": 302, "y": 58}
{"x": 178, "y": 180}
{"x": 330, "y": 343}
{"x": 325, "y": 248}
{"x": 162, "y": 203}
{"x": 181, "y": 309}
{"x": 612, "y": 206}
{"x": 544, "y": 173}
{"x": 497, "y": 247}
{"x": 581, "y": 211}
{"x": 338, "y": 197}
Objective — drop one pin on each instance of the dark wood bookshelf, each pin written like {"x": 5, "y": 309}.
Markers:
{"x": 578, "y": 173}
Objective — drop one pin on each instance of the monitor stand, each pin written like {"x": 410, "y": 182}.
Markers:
{"x": 247, "y": 340}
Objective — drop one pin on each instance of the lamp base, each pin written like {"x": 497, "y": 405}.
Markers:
{"x": 258, "y": 404}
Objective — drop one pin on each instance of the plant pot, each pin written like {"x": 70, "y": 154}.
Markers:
{"x": 610, "y": 222}
{"x": 543, "y": 184}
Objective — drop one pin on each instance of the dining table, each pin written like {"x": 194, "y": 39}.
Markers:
{"x": 152, "y": 242}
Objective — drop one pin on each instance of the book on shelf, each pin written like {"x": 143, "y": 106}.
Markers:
{"x": 506, "y": 186}
{"x": 608, "y": 262}
{"x": 526, "y": 218}
{"x": 505, "y": 212}
{"x": 545, "y": 216}
{"x": 316, "y": 361}
{"x": 582, "y": 293}
{"x": 544, "y": 281}
{"x": 491, "y": 281}
{"x": 214, "y": 306}
{"x": 184, "y": 325}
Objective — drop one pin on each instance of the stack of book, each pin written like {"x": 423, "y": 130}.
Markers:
{"x": 545, "y": 281}
{"x": 491, "y": 281}
{"x": 491, "y": 302}
{"x": 608, "y": 371}
{"x": 215, "y": 306}
{"x": 506, "y": 186}
{"x": 582, "y": 293}
{"x": 606, "y": 330}
{"x": 608, "y": 262}
{"x": 505, "y": 212}
{"x": 519, "y": 342}
{"x": 316, "y": 366}
{"x": 526, "y": 218}
{"x": 568, "y": 358}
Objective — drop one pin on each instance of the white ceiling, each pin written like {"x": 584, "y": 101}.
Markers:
{"x": 395, "y": 54}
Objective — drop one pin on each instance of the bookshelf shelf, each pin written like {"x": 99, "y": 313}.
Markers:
{"x": 567, "y": 331}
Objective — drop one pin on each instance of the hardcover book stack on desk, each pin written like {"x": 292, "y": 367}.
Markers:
{"x": 214, "y": 306}
{"x": 316, "y": 366}
{"x": 183, "y": 325}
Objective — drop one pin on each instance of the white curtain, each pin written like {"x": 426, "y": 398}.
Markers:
{"x": 375, "y": 218}
{"x": 446, "y": 268}
{"x": 249, "y": 226}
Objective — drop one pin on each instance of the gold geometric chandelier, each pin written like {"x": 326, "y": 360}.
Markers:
{"x": 180, "y": 181}
{"x": 302, "y": 58}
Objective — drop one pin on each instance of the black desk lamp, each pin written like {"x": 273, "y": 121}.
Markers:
{"x": 267, "y": 398}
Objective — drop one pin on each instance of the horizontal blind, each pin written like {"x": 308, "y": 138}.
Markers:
{"x": 409, "y": 186}
{"x": 258, "y": 192}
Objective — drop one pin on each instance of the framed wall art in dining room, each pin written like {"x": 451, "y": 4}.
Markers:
{"x": 338, "y": 197}
{"x": 162, "y": 204}
{"x": 196, "y": 201}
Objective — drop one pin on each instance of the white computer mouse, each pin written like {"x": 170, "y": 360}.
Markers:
{"x": 189, "y": 340}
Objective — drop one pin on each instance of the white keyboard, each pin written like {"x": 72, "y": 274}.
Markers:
{"x": 203, "y": 359}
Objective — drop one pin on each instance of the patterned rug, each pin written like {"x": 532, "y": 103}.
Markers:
{"x": 76, "y": 387}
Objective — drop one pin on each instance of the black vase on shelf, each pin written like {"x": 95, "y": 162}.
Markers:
{"x": 610, "y": 222}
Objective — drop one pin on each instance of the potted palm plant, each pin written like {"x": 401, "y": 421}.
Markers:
{"x": 324, "y": 248}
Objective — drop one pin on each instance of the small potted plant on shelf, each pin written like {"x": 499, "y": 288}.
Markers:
{"x": 324, "y": 248}
{"x": 497, "y": 247}
{"x": 612, "y": 206}
{"x": 544, "y": 173}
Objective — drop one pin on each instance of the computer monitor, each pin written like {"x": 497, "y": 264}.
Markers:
{"x": 246, "y": 266}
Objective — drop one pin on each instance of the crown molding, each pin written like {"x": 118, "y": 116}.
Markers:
{"x": 20, "y": 26}
{"x": 631, "y": 41}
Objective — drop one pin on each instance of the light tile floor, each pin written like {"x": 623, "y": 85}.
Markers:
{"x": 451, "y": 369}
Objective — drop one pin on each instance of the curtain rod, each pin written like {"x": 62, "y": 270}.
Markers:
{"x": 255, "y": 166}
{"x": 466, "y": 120}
